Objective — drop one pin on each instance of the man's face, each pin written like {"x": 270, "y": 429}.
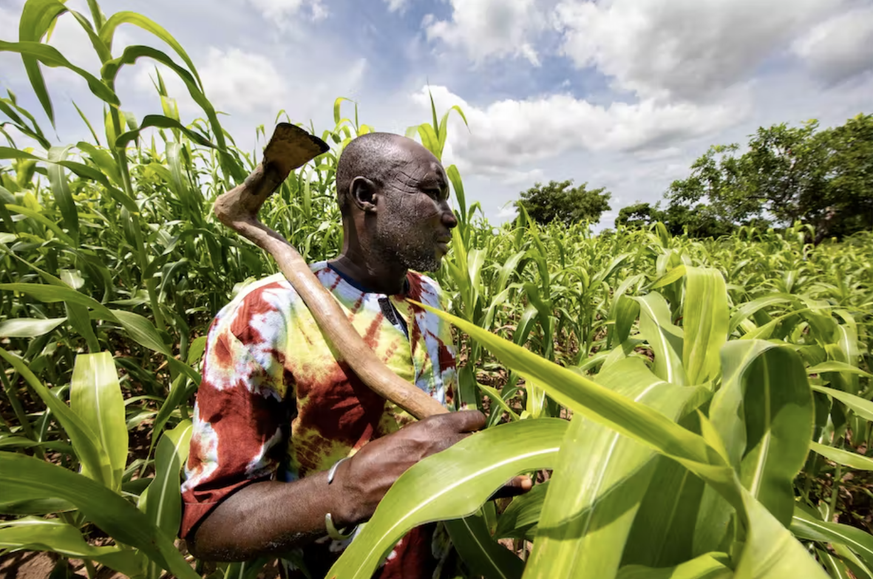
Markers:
{"x": 415, "y": 220}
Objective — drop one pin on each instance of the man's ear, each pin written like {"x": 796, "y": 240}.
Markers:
{"x": 363, "y": 194}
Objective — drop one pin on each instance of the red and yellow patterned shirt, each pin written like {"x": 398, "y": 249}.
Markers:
{"x": 276, "y": 402}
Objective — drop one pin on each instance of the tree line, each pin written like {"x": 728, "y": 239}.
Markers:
{"x": 819, "y": 177}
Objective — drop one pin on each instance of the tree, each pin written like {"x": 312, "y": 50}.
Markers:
{"x": 679, "y": 219}
{"x": 560, "y": 201}
{"x": 640, "y": 215}
{"x": 823, "y": 178}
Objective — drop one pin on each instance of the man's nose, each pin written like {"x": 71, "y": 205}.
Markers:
{"x": 448, "y": 216}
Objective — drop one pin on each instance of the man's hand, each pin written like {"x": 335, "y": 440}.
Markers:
{"x": 368, "y": 475}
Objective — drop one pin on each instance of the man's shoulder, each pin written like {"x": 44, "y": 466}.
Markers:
{"x": 271, "y": 293}
{"x": 425, "y": 289}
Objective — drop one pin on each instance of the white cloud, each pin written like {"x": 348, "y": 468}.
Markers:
{"x": 9, "y": 23}
{"x": 396, "y": 5}
{"x": 682, "y": 48}
{"x": 507, "y": 212}
{"x": 281, "y": 9}
{"x": 243, "y": 82}
{"x": 839, "y": 48}
{"x": 510, "y": 134}
{"x": 252, "y": 89}
{"x": 490, "y": 28}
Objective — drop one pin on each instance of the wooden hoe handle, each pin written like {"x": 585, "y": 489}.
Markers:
{"x": 289, "y": 148}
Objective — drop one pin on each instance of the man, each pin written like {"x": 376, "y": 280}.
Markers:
{"x": 277, "y": 411}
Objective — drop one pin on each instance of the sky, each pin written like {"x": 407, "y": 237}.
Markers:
{"x": 621, "y": 94}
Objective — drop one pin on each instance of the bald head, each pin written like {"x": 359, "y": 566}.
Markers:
{"x": 377, "y": 157}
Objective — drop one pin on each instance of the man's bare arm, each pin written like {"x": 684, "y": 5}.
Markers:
{"x": 269, "y": 517}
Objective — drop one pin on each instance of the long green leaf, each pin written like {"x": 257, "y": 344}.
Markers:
{"x": 598, "y": 483}
{"x": 50, "y": 56}
{"x": 107, "y": 32}
{"x": 860, "y": 406}
{"x": 34, "y": 534}
{"x": 769, "y": 545}
{"x": 705, "y": 323}
{"x": 95, "y": 396}
{"x": 806, "y": 526}
{"x": 92, "y": 456}
{"x": 843, "y": 457}
{"x": 448, "y": 485}
{"x": 61, "y": 192}
{"x": 663, "y": 337}
{"x": 703, "y": 567}
{"x": 28, "y": 327}
{"x": 26, "y": 478}
{"x": 164, "y": 506}
{"x": 483, "y": 554}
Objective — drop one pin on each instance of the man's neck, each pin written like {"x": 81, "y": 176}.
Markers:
{"x": 379, "y": 278}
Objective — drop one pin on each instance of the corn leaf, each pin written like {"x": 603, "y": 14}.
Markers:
{"x": 28, "y": 327}
{"x": 663, "y": 337}
{"x": 449, "y": 485}
{"x": 27, "y": 478}
{"x": 705, "y": 323}
{"x": 95, "y": 397}
{"x": 34, "y": 534}
{"x": 484, "y": 555}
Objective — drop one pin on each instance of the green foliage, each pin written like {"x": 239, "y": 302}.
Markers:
{"x": 561, "y": 202}
{"x": 698, "y": 370}
{"x": 818, "y": 177}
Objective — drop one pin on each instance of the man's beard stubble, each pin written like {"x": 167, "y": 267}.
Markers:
{"x": 408, "y": 250}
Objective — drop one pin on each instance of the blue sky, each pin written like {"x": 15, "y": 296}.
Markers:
{"x": 622, "y": 94}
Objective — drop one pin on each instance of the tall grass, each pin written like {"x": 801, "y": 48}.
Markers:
{"x": 719, "y": 390}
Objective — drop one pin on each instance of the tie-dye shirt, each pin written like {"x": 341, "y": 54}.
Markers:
{"x": 276, "y": 402}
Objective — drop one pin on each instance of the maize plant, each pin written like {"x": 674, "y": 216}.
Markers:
{"x": 696, "y": 408}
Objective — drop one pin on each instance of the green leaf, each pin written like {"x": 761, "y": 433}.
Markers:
{"x": 449, "y": 485}
{"x": 107, "y": 32}
{"x": 598, "y": 483}
{"x": 671, "y": 276}
{"x": 834, "y": 366}
{"x": 458, "y": 188}
{"x": 162, "y": 122}
{"x": 37, "y": 17}
{"x": 53, "y": 294}
{"x": 858, "y": 405}
{"x": 664, "y": 338}
{"x": 61, "y": 192}
{"x": 779, "y": 414}
{"x": 806, "y": 526}
{"x": 43, "y": 220}
{"x": 28, "y": 327}
{"x": 750, "y": 308}
{"x": 92, "y": 456}
{"x": 843, "y": 457}
{"x": 705, "y": 323}
{"x": 49, "y": 56}
{"x": 764, "y": 415}
{"x": 769, "y": 546}
{"x": 164, "y": 506}
{"x": 519, "y": 520}
{"x": 483, "y": 554}
{"x": 95, "y": 396}
{"x": 26, "y": 478}
{"x": 32, "y": 534}
{"x": 709, "y": 566}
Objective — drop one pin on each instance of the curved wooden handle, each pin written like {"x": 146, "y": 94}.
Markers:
{"x": 290, "y": 148}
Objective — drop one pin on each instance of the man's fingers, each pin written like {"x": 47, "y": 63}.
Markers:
{"x": 465, "y": 420}
{"x": 516, "y": 486}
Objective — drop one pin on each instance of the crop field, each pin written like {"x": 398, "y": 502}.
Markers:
{"x": 694, "y": 408}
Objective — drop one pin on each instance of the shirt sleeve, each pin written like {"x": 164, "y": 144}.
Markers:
{"x": 241, "y": 417}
